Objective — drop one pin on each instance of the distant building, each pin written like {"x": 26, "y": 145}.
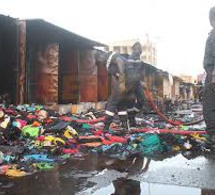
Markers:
{"x": 149, "y": 54}
{"x": 176, "y": 87}
{"x": 187, "y": 78}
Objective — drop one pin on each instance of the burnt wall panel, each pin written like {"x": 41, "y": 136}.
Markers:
{"x": 22, "y": 63}
{"x": 9, "y": 48}
{"x": 69, "y": 86}
{"x": 88, "y": 77}
{"x": 43, "y": 74}
{"x": 48, "y": 74}
{"x": 103, "y": 83}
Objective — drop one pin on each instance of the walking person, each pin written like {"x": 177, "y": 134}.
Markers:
{"x": 135, "y": 79}
{"x": 115, "y": 64}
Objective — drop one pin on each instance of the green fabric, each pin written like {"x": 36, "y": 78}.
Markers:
{"x": 150, "y": 144}
{"x": 184, "y": 128}
{"x": 39, "y": 107}
{"x": 30, "y": 131}
{"x": 64, "y": 156}
{"x": 44, "y": 166}
{"x": 86, "y": 126}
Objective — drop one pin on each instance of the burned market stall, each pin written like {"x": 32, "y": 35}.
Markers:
{"x": 8, "y": 58}
{"x": 60, "y": 65}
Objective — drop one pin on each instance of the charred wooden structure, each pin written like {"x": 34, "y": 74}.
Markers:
{"x": 43, "y": 63}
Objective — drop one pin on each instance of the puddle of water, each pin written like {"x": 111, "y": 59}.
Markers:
{"x": 120, "y": 186}
{"x": 127, "y": 187}
{"x": 101, "y": 176}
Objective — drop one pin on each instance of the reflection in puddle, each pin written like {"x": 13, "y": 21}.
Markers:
{"x": 128, "y": 187}
{"x": 157, "y": 189}
{"x": 98, "y": 175}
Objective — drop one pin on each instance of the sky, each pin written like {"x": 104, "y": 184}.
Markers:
{"x": 179, "y": 27}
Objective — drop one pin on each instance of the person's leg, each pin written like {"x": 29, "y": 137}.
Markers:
{"x": 123, "y": 114}
{"x": 117, "y": 95}
{"x": 209, "y": 112}
{"x": 132, "y": 111}
{"x": 140, "y": 96}
{"x": 135, "y": 103}
{"x": 126, "y": 107}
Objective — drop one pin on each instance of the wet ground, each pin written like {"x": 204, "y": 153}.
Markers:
{"x": 193, "y": 175}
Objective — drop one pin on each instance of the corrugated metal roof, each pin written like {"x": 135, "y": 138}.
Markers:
{"x": 38, "y": 29}
{"x": 6, "y": 18}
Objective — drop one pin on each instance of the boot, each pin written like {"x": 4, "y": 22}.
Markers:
{"x": 131, "y": 118}
{"x": 124, "y": 121}
{"x": 125, "y": 125}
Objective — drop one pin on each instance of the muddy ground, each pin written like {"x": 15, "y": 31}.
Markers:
{"x": 181, "y": 174}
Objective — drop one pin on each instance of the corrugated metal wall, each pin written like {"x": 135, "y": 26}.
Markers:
{"x": 9, "y": 59}
{"x": 88, "y": 77}
{"x": 47, "y": 73}
{"x": 68, "y": 75}
{"x": 103, "y": 80}
{"x": 42, "y": 74}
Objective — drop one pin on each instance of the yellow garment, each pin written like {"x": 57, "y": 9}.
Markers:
{"x": 176, "y": 148}
{"x": 68, "y": 134}
{"x": 15, "y": 173}
{"x": 72, "y": 130}
{"x": 1, "y": 114}
{"x": 198, "y": 137}
{"x": 5, "y": 123}
{"x": 49, "y": 138}
{"x": 58, "y": 141}
{"x": 54, "y": 140}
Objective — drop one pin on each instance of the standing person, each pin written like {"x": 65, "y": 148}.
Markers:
{"x": 135, "y": 78}
{"x": 209, "y": 88}
{"x": 115, "y": 65}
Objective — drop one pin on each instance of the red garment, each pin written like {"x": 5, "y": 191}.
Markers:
{"x": 22, "y": 122}
{"x": 48, "y": 120}
{"x": 4, "y": 169}
{"x": 116, "y": 139}
{"x": 9, "y": 111}
{"x": 31, "y": 116}
{"x": 70, "y": 151}
{"x": 107, "y": 142}
{"x": 65, "y": 118}
{"x": 98, "y": 133}
{"x": 92, "y": 144}
{"x": 41, "y": 138}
